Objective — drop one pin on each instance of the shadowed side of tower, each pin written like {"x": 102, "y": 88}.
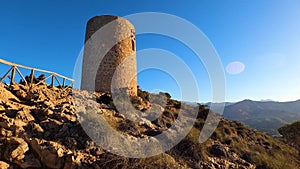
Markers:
{"x": 109, "y": 55}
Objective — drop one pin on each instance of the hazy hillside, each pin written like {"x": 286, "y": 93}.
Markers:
{"x": 40, "y": 129}
{"x": 264, "y": 116}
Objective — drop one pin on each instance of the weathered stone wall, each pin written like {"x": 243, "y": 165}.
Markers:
{"x": 110, "y": 40}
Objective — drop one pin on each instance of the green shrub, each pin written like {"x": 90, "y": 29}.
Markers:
{"x": 35, "y": 80}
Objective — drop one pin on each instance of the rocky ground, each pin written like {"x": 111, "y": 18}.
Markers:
{"x": 39, "y": 128}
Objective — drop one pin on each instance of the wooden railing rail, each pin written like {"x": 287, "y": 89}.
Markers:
{"x": 15, "y": 68}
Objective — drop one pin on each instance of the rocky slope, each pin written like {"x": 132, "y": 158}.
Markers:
{"x": 39, "y": 128}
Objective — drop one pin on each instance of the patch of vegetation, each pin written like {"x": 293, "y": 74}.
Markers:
{"x": 290, "y": 131}
{"x": 106, "y": 99}
{"x": 35, "y": 79}
{"x": 143, "y": 94}
{"x": 291, "y": 134}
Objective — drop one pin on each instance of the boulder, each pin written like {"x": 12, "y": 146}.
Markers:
{"x": 5, "y": 133}
{"x": 6, "y": 95}
{"x": 51, "y": 124}
{"x": 21, "y": 94}
{"x": 16, "y": 149}
{"x": 47, "y": 112}
{"x": 29, "y": 161}
{"x": 6, "y": 122}
{"x": 51, "y": 154}
{"x": 25, "y": 115}
{"x": 4, "y": 165}
{"x": 70, "y": 162}
{"x": 64, "y": 131}
{"x": 68, "y": 117}
{"x": 34, "y": 129}
{"x": 218, "y": 151}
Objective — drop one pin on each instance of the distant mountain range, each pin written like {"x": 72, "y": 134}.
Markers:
{"x": 266, "y": 116}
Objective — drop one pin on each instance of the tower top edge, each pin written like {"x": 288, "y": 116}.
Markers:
{"x": 109, "y": 18}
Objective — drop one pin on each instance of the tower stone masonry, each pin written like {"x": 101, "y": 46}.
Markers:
{"x": 109, "y": 55}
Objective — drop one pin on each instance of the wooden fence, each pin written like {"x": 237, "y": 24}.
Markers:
{"x": 54, "y": 76}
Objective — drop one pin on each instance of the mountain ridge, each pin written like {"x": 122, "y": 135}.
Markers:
{"x": 264, "y": 116}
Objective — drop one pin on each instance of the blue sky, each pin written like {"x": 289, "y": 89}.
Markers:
{"x": 264, "y": 35}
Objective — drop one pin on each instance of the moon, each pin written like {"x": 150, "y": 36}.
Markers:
{"x": 235, "y": 68}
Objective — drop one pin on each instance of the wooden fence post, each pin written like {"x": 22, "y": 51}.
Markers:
{"x": 21, "y": 75}
{"x": 64, "y": 82}
{"x": 57, "y": 81}
{"x": 31, "y": 76}
{"x": 52, "y": 80}
{"x": 13, "y": 74}
{"x": 5, "y": 76}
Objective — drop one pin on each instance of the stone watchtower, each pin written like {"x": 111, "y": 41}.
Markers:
{"x": 109, "y": 51}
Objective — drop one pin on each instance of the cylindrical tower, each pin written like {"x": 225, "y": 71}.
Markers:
{"x": 109, "y": 41}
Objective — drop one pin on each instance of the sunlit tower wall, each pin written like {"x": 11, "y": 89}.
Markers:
{"x": 101, "y": 34}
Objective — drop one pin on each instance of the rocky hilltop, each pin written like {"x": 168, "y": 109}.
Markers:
{"x": 39, "y": 128}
